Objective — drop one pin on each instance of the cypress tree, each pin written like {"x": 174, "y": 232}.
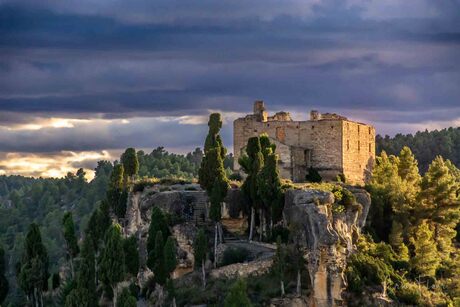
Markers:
{"x": 86, "y": 276}
{"x": 269, "y": 186}
{"x": 4, "y": 287}
{"x": 79, "y": 297}
{"x": 33, "y": 272}
{"x": 157, "y": 223}
{"x": 251, "y": 164}
{"x": 237, "y": 296}
{"x": 200, "y": 251}
{"x": 130, "y": 162}
{"x": 112, "y": 264}
{"x": 169, "y": 255}
{"x": 159, "y": 268}
{"x": 126, "y": 299}
{"x": 70, "y": 239}
{"x": 212, "y": 174}
{"x": 131, "y": 255}
{"x": 115, "y": 191}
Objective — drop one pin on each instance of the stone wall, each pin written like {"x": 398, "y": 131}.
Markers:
{"x": 358, "y": 151}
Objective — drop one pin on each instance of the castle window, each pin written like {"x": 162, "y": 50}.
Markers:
{"x": 348, "y": 144}
{"x": 358, "y": 129}
{"x": 359, "y": 145}
{"x": 332, "y": 127}
{"x": 268, "y": 125}
{"x": 369, "y": 130}
{"x": 312, "y": 127}
{"x": 348, "y": 126}
{"x": 255, "y": 130}
{"x": 370, "y": 147}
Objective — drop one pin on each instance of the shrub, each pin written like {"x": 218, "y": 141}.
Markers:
{"x": 235, "y": 177}
{"x": 235, "y": 255}
{"x": 140, "y": 186}
{"x": 280, "y": 231}
{"x": 313, "y": 175}
{"x": 409, "y": 294}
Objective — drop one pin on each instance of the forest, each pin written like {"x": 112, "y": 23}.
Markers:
{"x": 425, "y": 145}
{"x": 63, "y": 242}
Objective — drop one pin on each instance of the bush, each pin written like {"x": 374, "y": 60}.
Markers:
{"x": 140, "y": 186}
{"x": 235, "y": 255}
{"x": 235, "y": 177}
{"x": 409, "y": 294}
{"x": 313, "y": 175}
{"x": 280, "y": 231}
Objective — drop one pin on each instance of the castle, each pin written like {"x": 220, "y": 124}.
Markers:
{"x": 329, "y": 143}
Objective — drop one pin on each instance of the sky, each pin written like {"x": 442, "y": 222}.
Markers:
{"x": 82, "y": 80}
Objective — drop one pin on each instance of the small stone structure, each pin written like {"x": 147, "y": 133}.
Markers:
{"x": 330, "y": 143}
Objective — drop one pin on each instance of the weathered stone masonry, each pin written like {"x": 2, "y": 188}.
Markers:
{"x": 330, "y": 143}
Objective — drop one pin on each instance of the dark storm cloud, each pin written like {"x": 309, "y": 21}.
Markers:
{"x": 386, "y": 63}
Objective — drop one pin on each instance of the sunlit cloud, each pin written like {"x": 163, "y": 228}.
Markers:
{"x": 52, "y": 165}
{"x": 42, "y": 123}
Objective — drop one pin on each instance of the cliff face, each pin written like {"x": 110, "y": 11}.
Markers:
{"x": 327, "y": 238}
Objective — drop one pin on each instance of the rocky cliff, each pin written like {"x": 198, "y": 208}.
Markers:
{"x": 327, "y": 237}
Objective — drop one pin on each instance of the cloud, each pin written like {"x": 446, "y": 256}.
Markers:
{"x": 51, "y": 165}
{"x": 89, "y": 76}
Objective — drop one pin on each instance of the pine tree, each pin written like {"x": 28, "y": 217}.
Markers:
{"x": 70, "y": 239}
{"x": 426, "y": 259}
{"x": 200, "y": 251}
{"x": 169, "y": 255}
{"x": 33, "y": 272}
{"x": 397, "y": 242}
{"x": 279, "y": 263}
{"x": 130, "y": 162}
{"x": 159, "y": 268}
{"x": 237, "y": 296}
{"x": 252, "y": 163}
{"x": 112, "y": 264}
{"x": 440, "y": 203}
{"x": 131, "y": 251}
{"x": 157, "y": 223}
{"x": 4, "y": 287}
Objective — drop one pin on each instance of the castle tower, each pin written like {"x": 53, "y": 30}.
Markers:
{"x": 259, "y": 111}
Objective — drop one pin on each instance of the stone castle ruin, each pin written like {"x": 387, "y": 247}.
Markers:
{"x": 329, "y": 143}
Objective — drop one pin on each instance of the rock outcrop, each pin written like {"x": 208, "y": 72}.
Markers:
{"x": 327, "y": 238}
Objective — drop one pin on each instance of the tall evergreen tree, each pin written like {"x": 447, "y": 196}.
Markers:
{"x": 79, "y": 297}
{"x": 130, "y": 162}
{"x": 426, "y": 259}
{"x": 112, "y": 264}
{"x": 200, "y": 251}
{"x": 159, "y": 268}
{"x": 252, "y": 163}
{"x": 397, "y": 241}
{"x": 440, "y": 203}
{"x": 70, "y": 239}
{"x": 33, "y": 272}
{"x": 4, "y": 287}
{"x": 126, "y": 299}
{"x": 169, "y": 255}
{"x": 237, "y": 296}
{"x": 212, "y": 174}
{"x": 157, "y": 223}
{"x": 115, "y": 191}
{"x": 131, "y": 251}
{"x": 86, "y": 276}
{"x": 269, "y": 185}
